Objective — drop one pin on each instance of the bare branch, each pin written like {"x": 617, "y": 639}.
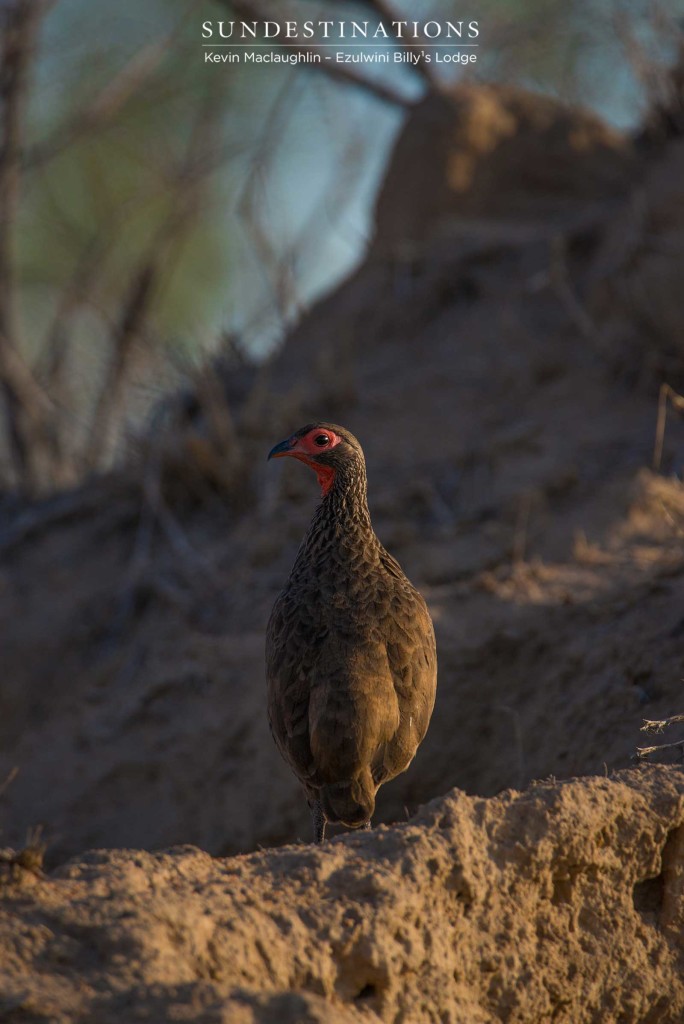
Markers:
{"x": 129, "y": 82}
{"x": 249, "y": 204}
{"x": 88, "y": 270}
{"x": 19, "y": 22}
{"x": 130, "y": 324}
{"x": 143, "y": 282}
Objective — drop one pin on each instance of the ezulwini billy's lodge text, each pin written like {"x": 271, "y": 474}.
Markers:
{"x": 249, "y": 56}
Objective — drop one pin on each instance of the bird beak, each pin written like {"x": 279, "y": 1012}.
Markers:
{"x": 281, "y": 449}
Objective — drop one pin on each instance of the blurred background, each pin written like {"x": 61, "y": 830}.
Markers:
{"x": 159, "y": 205}
{"x": 479, "y": 273}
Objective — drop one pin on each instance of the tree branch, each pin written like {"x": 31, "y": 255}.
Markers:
{"x": 109, "y": 102}
{"x": 19, "y": 24}
{"x": 143, "y": 283}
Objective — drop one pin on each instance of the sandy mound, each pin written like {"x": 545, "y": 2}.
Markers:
{"x": 564, "y": 903}
{"x": 497, "y": 153}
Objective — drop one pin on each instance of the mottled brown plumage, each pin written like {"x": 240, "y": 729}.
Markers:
{"x": 350, "y": 649}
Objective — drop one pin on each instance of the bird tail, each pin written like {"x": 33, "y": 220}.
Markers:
{"x": 350, "y": 802}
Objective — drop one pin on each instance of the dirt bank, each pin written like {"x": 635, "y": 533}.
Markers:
{"x": 563, "y": 903}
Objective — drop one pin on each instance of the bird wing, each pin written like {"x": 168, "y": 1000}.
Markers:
{"x": 412, "y": 658}
{"x": 288, "y": 672}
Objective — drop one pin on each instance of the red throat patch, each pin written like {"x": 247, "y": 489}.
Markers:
{"x": 324, "y": 474}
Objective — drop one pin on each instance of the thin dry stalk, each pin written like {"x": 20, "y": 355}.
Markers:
{"x": 141, "y": 557}
{"x": 658, "y": 725}
{"x": 9, "y": 779}
{"x": 643, "y": 752}
{"x": 677, "y": 401}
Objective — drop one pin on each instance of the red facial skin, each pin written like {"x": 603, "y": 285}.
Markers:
{"x": 305, "y": 449}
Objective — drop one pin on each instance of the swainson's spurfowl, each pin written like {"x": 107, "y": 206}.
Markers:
{"x": 350, "y": 649}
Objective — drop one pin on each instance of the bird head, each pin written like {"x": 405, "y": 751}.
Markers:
{"x": 328, "y": 449}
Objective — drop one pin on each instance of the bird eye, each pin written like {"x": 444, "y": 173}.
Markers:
{"x": 321, "y": 440}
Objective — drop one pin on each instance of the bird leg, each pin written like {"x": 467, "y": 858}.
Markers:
{"x": 318, "y": 820}
{"x": 366, "y": 827}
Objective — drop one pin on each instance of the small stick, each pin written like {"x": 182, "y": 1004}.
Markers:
{"x": 522, "y": 523}
{"x": 642, "y": 752}
{"x": 13, "y": 772}
{"x": 658, "y": 726}
{"x": 660, "y": 427}
{"x": 677, "y": 403}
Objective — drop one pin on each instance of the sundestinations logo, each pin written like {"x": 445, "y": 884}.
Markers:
{"x": 340, "y": 41}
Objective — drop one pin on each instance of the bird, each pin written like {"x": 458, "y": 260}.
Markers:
{"x": 351, "y": 660}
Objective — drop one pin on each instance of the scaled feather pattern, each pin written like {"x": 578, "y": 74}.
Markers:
{"x": 351, "y": 661}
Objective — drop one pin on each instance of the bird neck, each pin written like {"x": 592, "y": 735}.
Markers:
{"x": 341, "y": 525}
{"x": 346, "y": 499}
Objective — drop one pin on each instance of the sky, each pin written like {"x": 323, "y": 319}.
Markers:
{"x": 288, "y": 212}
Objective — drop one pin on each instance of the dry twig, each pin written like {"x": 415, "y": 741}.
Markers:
{"x": 643, "y": 752}
{"x": 7, "y": 782}
{"x": 677, "y": 402}
{"x": 658, "y": 725}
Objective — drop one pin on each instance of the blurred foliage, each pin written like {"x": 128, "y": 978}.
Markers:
{"x": 243, "y": 190}
{"x": 116, "y": 182}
